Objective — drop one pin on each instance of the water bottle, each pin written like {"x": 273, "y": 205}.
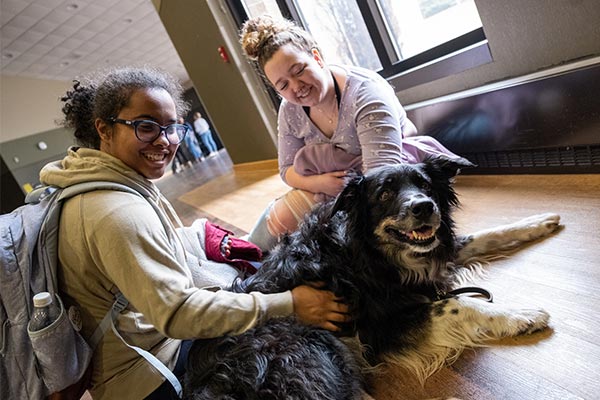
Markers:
{"x": 45, "y": 311}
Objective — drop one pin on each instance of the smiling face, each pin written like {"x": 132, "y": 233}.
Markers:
{"x": 148, "y": 159}
{"x": 299, "y": 77}
{"x": 404, "y": 209}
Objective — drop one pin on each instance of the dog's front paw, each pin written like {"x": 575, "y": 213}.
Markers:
{"x": 529, "y": 321}
{"x": 540, "y": 225}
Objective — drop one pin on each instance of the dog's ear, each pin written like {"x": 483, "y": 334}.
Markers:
{"x": 447, "y": 167}
{"x": 349, "y": 197}
{"x": 353, "y": 202}
{"x": 442, "y": 171}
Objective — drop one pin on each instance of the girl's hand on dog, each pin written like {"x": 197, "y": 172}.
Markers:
{"x": 318, "y": 307}
{"x": 330, "y": 183}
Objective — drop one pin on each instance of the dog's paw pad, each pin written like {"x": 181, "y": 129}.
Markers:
{"x": 541, "y": 225}
{"x": 532, "y": 321}
{"x": 550, "y": 221}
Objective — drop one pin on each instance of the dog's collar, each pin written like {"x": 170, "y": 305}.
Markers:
{"x": 473, "y": 291}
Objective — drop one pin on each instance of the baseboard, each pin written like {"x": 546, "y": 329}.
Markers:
{"x": 254, "y": 166}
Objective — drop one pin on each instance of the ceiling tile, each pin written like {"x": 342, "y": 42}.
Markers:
{"x": 10, "y": 8}
{"x": 36, "y": 11}
{"x": 39, "y": 49}
{"x": 31, "y": 36}
{"x": 52, "y": 4}
{"x": 43, "y": 26}
{"x": 10, "y": 33}
{"x": 60, "y": 52}
{"x": 72, "y": 43}
{"x": 27, "y": 57}
{"x": 58, "y": 16}
{"x": 101, "y": 38}
{"x": 78, "y": 21}
{"x": 93, "y": 11}
{"x": 16, "y": 48}
{"x": 53, "y": 40}
{"x": 98, "y": 25}
{"x": 65, "y": 30}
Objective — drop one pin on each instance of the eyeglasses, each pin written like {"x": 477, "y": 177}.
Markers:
{"x": 148, "y": 131}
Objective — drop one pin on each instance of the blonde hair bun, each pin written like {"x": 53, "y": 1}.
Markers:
{"x": 256, "y": 32}
{"x": 261, "y": 37}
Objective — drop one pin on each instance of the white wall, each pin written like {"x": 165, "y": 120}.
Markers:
{"x": 29, "y": 106}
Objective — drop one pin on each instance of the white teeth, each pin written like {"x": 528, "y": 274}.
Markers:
{"x": 421, "y": 235}
{"x": 303, "y": 93}
{"x": 155, "y": 156}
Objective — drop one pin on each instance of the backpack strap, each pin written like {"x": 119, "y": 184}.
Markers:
{"x": 48, "y": 237}
{"x": 109, "y": 322}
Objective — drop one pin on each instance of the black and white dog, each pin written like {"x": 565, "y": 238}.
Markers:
{"x": 387, "y": 246}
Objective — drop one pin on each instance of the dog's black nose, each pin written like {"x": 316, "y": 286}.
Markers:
{"x": 421, "y": 208}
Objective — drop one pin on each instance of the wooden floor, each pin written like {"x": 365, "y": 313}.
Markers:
{"x": 560, "y": 274}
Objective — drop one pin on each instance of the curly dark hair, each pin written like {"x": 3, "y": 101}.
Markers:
{"x": 105, "y": 93}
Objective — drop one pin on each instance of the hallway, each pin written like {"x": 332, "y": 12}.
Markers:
{"x": 232, "y": 196}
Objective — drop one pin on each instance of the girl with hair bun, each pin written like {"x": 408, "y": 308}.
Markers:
{"x": 111, "y": 241}
{"x": 332, "y": 119}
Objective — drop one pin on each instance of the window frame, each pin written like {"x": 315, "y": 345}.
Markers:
{"x": 453, "y": 56}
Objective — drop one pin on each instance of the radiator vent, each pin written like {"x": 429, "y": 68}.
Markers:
{"x": 544, "y": 124}
{"x": 585, "y": 159}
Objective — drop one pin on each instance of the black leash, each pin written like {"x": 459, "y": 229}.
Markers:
{"x": 472, "y": 290}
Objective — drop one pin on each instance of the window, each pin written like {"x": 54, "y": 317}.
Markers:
{"x": 416, "y": 26}
{"x": 260, "y": 7}
{"x": 407, "y": 41}
{"x": 341, "y": 32}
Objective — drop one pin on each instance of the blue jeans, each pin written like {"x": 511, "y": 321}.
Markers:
{"x": 166, "y": 391}
{"x": 193, "y": 147}
{"x": 208, "y": 141}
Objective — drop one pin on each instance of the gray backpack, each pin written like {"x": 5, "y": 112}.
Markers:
{"x": 36, "y": 364}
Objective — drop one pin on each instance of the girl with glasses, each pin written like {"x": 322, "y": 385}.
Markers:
{"x": 125, "y": 122}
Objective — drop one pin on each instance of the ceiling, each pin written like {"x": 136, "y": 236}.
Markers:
{"x": 65, "y": 39}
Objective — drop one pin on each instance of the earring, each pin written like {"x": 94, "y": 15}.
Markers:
{"x": 317, "y": 57}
